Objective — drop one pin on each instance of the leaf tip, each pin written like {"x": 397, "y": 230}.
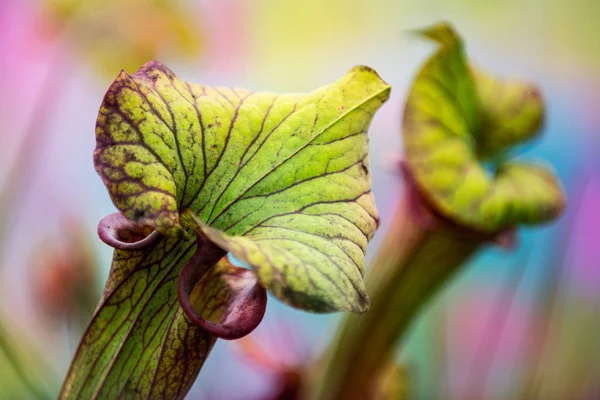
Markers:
{"x": 371, "y": 76}
{"x": 153, "y": 69}
{"x": 441, "y": 32}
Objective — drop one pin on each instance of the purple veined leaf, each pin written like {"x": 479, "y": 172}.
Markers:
{"x": 280, "y": 181}
{"x": 217, "y": 300}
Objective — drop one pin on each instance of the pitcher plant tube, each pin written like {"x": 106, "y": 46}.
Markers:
{"x": 462, "y": 192}
{"x": 281, "y": 182}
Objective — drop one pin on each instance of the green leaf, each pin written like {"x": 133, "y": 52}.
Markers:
{"x": 456, "y": 119}
{"x": 284, "y": 178}
{"x": 512, "y": 112}
{"x": 140, "y": 343}
{"x": 281, "y": 181}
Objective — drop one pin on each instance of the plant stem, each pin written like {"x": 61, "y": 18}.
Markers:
{"x": 415, "y": 259}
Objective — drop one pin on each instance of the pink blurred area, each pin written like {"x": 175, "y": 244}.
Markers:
{"x": 486, "y": 332}
{"x": 51, "y": 85}
{"x": 584, "y": 249}
{"x": 25, "y": 44}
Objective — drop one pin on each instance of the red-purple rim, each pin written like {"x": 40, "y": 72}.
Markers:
{"x": 110, "y": 227}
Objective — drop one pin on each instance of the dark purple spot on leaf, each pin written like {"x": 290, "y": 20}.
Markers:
{"x": 364, "y": 168}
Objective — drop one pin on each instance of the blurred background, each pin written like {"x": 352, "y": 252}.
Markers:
{"x": 513, "y": 322}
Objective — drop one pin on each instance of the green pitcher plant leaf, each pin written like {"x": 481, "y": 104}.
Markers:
{"x": 140, "y": 342}
{"x": 281, "y": 182}
{"x": 457, "y": 119}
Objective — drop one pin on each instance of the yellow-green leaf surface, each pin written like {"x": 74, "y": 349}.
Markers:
{"x": 281, "y": 181}
{"x": 288, "y": 173}
{"x": 458, "y": 118}
{"x": 139, "y": 344}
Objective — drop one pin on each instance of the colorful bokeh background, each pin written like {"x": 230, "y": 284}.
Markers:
{"x": 513, "y": 322}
